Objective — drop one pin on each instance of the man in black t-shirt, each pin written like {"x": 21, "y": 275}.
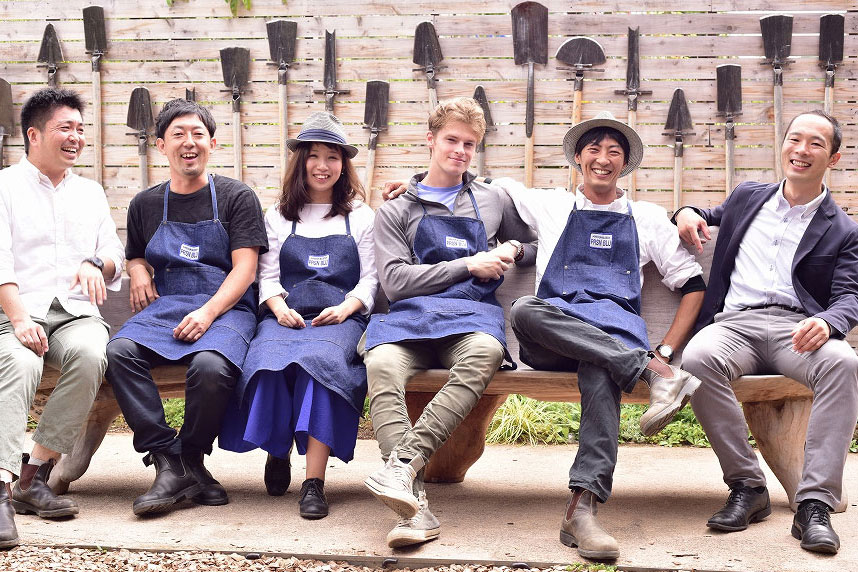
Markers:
{"x": 193, "y": 244}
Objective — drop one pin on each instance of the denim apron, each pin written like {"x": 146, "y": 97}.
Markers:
{"x": 191, "y": 261}
{"x": 317, "y": 273}
{"x": 594, "y": 274}
{"x": 466, "y": 307}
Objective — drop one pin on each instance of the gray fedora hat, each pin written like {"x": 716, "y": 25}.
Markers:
{"x": 605, "y": 119}
{"x": 323, "y": 127}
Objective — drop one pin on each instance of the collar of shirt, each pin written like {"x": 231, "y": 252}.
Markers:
{"x": 781, "y": 205}
{"x": 41, "y": 178}
{"x": 618, "y": 205}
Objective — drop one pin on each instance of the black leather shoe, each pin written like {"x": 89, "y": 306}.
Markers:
{"x": 812, "y": 525}
{"x": 211, "y": 492}
{"x": 38, "y": 498}
{"x": 8, "y": 532}
{"x": 278, "y": 475}
{"x": 174, "y": 482}
{"x": 313, "y": 504}
{"x": 744, "y": 506}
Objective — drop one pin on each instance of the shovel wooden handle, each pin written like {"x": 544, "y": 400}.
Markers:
{"x": 433, "y": 99}
{"x": 481, "y": 163}
{"x": 576, "y": 119}
{"x": 368, "y": 178}
{"x": 144, "y": 172}
{"x": 779, "y": 130}
{"x": 633, "y": 176}
{"x": 2, "y": 141}
{"x": 528, "y": 162}
{"x": 284, "y": 129}
{"x": 729, "y": 146}
{"x": 236, "y": 144}
{"x": 98, "y": 165}
{"x": 677, "y": 182}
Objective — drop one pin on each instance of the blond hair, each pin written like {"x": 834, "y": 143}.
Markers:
{"x": 463, "y": 109}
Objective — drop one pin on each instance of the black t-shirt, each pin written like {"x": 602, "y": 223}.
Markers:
{"x": 238, "y": 209}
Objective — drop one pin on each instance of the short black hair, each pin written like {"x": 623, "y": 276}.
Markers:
{"x": 42, "y": 105}
{"x": 595, "y": 136}
{"x": 179, "y": 107}
{"x": 836, "y": 140}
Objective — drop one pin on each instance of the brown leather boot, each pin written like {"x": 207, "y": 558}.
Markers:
{"x": 580, "y": 528}
{"x": 8, "y": 532}
{"x": 32, "y": 494}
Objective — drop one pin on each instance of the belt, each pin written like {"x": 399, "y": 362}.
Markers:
{"x": 781, "y": 306}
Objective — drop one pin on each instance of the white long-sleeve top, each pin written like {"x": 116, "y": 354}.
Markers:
{"x": 313, "y": 224}
{"x": 46, "y": 232}
{"x": 547, "y": 212}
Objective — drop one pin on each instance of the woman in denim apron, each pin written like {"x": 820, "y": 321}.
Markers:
{"x": 302, "y": 378}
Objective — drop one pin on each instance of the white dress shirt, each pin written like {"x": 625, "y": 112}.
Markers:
{"x": 46, "y": 232}
{"x": 313, "y": 224}
{"x": 547, "y": 212}
{"x": 763, "y": 271}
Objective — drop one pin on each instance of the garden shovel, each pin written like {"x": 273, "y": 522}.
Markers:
{"x": 777, "y": 43}
{"x": 480, "y": 97}
{"x": 190, "y": 94}
{"x": 427, "y": 54}
{"x": 633, "y": 92}
{"x": 281, "y": 44}
{"x": 729, "y": 82}
{"x": 50, "y": 54}
{"x": 375, "y": 119}
{"x": 678, "y": 125}
{"x": 579, "y": 54}
{"x": 235, "y": 63}
{"x": 330, "y": 79}
{"x": 140, "y": 119}
{"x": 7, "y": 121}
{"x": 830, "y": 52}
{"x": 96, "y": 46}
{"x": 530, "y": 46}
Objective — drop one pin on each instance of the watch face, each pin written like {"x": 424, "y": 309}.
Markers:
{"x": 665, "y": 351}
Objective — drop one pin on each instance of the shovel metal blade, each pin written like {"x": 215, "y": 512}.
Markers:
{"x": 427, "y": 49}
{"x": 530, "y": 33}
{"x": 633, "y": 61}
{"x": 777, "y": 37}
{"x": 678, "y": 116}
{"x": 93, "y": 30}
{"x": 50, "y": 51}
{"x": 831, "y": 39}
{"x": 190, "y": 94}
{"x": 580, "y": 52}
{"x": 377, "y": 101}
{"x": 235, "y": 63}
{"x": 330, "y": 79}
{"x": 729, "y": 80}
{"x": 140, "y": 111}
{"x": 281, "y": 40}
{"x": 480, "y": 97}
{"x": 7, "y": 121}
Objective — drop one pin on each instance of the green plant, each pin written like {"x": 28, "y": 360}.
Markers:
{"x": 174, "y": 412}
{"x": 524, "y": 420}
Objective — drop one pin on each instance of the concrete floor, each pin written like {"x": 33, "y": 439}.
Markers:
{"x": 507, "y": 509}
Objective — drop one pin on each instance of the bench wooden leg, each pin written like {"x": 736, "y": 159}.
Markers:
{"x": 72, "y": 466}
{"x": 780, "y": 427}
{"x": 450, "y": 463}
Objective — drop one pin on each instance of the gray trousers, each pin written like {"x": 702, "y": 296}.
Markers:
{"x": 552, "y": 340}
{"x": 759, "y": 342}
{"x": 77, "y": 349}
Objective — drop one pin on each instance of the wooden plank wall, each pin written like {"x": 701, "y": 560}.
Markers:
{"x": 168, "y": 49}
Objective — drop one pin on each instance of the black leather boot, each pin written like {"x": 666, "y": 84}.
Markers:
{"x": 174, "y": 482}
{"x": 278, "y": 474}
{"x": 32, "y": 495}
{"x": 8, "y": 532}
{"x": 211, "y": 492}
{"x": 313, "y": 504}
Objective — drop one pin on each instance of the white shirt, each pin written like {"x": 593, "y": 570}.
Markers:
{"x": 45, "y": 234}
{"x": 547, "y": 211}
{"x": 763, "y": 271}
{"x": 313, "y": 224}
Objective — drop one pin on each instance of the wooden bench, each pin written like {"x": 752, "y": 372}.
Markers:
{"x": 776, "y": 408}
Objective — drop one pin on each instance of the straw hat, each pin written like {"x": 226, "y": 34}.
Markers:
{"x": 323, "y": 127}
{"x": 605, "y": 119}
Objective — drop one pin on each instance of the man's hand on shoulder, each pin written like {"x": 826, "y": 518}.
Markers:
{"x": 489, "y": 265}
{"x": 393, "y": 189}
{"x": 810, "y": 334}
{"x": 32, "y": 335}
{"x": 91, "y": 280}
{"x": 688, "y": 222}
{"x": 142, "y": 289}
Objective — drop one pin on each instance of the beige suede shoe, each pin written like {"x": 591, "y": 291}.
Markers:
{"x": 580, "y": 528}
{"x": 667, "y": 395}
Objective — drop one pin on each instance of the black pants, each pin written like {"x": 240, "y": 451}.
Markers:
{"x": 208, "y": 388}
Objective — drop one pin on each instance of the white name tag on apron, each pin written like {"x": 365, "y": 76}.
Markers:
{"x": 453, "y": 242}
{"x": 189, "y": 252}
{"x": 601, "y": 240}
{"x": 318, "y": 261}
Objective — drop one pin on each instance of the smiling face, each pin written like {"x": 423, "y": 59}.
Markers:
{"x": 452, "y": 149}
{"x": 187, "y": 145}
{"x": 57, "y": 146}
{"x": 601, "y": 164}
{"x": 807, "y": 151}
{"x": 324, "y": 166}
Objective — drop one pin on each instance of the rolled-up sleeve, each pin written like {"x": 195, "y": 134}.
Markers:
{"x": 663, "y": 246}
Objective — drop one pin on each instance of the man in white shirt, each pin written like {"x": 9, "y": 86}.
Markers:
{"x": 58, "y": 255}
{"x": 593, "y": 244}
{"x": 781, "y": 299}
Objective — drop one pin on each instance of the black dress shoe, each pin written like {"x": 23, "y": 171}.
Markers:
{"x": 278, "y": 475}
{"x": 313, "y": 504}
{"x": 8, "y": 532}
{"x": 174, "y": 482}
{"x": 744, "y": 506}
{"x": 812, "y": 525}
{"x": 38, "y": 498}
{"x": 211, "y": 492}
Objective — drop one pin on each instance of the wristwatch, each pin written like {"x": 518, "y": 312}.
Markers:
{"x": 665, "y": 352}
{"x": 95, "y": 261}
{"x": 519, "y": 249}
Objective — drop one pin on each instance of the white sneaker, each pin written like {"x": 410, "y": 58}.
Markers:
{"x": 392, "y": 484}
{"x": 421, "y": 527}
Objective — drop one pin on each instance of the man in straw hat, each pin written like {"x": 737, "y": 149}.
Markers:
{"x": 193, "y": 244}
{"x": 593, "y": 244}
{"x": 781, "y": 299}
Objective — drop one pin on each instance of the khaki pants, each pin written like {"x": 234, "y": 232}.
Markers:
{"x": 77, "y": 350}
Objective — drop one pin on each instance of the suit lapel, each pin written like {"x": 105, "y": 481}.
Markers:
{"x": 819, "y": 225}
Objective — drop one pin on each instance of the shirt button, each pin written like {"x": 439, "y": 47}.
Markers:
{"x": 564, "y": 292}
{"x": 775, "y": 243}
